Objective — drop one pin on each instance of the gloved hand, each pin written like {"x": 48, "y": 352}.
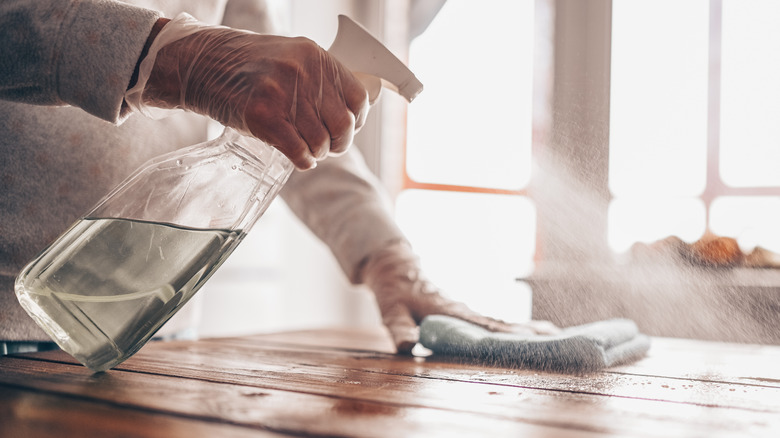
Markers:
{"x": 405, "y": 297}
{"x": 288, "y": 92}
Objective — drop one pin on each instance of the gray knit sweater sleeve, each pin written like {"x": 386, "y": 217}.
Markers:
{"x": 71, "y": 52}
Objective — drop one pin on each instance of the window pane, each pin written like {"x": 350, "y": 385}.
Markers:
{"x": 472, "y": 124}
{"x": 658, "y": 112}
{"x": 473, "y": 246}
{"x": 647, "y": 220}
{"x": 752, "y": 220}
{"x": 750, "y": 93}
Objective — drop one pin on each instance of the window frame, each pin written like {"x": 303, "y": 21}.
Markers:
{"x": 577, "y": 28}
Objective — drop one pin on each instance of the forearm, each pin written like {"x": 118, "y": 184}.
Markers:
{"x": 343, "y": 204}
{"x": 55, "y": 52}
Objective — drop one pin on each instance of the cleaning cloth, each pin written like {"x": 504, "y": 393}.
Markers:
{"x": 587, "y": 347}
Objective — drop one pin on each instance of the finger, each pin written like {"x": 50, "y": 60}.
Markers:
{"x": 354, "y": 94}
{"x": 341, "y": 126}
{"x": 492, "y": 324}
{"x": 312, "y": 131}
{"x": 337, "y": 118}
{"x": 537, "y": 327}
{"x": 497, "y": 325}
{"x": 402, "y": 327}
{"x": 284, "y": 137}
{"x": 433, "y": 303}
{"x": 360, "y": 111}
{"x": 360, "y": 120}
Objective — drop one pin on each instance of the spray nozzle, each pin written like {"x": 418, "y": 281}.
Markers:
{"x": 371, "y": 62}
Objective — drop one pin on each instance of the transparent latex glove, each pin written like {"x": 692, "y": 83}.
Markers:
{"x": 405, "y": 297}
{"x": 288, "y": 92}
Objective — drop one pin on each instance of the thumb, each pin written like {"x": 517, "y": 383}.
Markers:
{"x": 402, "y": 327}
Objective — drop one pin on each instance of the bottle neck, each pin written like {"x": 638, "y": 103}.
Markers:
{"x": 269, "y": 160}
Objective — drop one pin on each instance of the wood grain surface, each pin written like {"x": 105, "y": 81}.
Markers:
{"x": 348, "y": 383}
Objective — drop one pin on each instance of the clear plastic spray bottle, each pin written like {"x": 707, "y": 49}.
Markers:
{"x": 104, "y": 287}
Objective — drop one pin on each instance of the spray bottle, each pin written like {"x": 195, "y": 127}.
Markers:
{"x": 104, "y": 287}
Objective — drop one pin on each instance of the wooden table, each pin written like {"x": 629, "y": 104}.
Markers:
{"x": 345, "y": 383}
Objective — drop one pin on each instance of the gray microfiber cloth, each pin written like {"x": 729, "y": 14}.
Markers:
{"x": 587, "y": 347}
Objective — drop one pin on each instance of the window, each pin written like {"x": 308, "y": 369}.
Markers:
{"x": 694, "y": 138}
{"x": 690, "y": 138}
{"x": 658, "y": 120}
{"x": 468, "y": 154}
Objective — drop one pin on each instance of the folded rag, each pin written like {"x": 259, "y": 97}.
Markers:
{"x": 580, "y": 348}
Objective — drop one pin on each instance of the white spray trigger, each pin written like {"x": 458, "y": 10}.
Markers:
{"x": 371, "y": 62}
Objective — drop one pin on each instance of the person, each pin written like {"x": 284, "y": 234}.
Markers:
{"x": 71, "y": 132}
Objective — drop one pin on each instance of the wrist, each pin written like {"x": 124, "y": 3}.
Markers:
{"x": 158, "y": 25}
{"x": 159, "y": 82}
